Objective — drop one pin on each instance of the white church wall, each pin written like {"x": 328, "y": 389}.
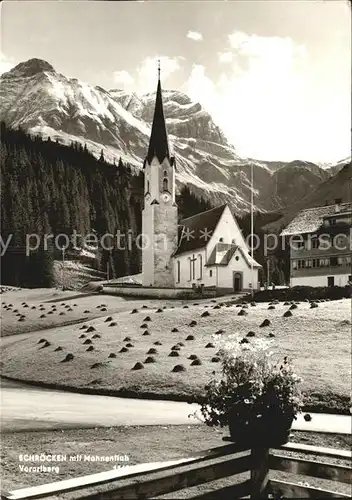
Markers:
{"x": 207, "y": 278}
{"x": 237, "y": 264}
{"x": 228, "y": 230}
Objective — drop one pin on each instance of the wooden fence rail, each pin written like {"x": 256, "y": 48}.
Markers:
{"x": 151, "y": 480}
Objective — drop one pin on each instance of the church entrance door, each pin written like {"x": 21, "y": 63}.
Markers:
{"x": 237, "y": 282}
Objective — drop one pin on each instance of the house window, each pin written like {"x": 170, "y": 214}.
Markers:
{"x": 315, "y": 243}
{"x": 294, "y": 264}
{"x": 165, "y": 185}
{"x": 340, "y": 261}
{"x": 308, "y": 263}
{"x": 332, "y": 222}
{"x": 348, "y": 259}
{"x": 200, "y": 266}
{"x": 210, "y": 273}
{"x": 178, "y": 271}
{"x": 333, "y": 261}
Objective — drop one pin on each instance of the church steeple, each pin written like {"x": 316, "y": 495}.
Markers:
{"x": 158, "y": 144}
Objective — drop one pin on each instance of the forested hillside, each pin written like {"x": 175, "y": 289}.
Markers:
{"x": 48, "y": 188}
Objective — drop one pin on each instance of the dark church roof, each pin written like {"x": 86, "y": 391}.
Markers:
{"x": 195, "y": 227}
{"x": 158, "y": 144}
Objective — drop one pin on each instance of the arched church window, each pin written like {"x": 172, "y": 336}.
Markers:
{"x": 178, "y": 271}
{"x": 200, "y": 260}
{"x": 165, "y": 185}
{"x": 221, "y": 240}
{"x": 148, "y": 187}
{"x": 165, "y": 173}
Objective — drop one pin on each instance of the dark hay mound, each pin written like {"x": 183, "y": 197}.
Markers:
{"x": 193, "y": 356}
{"x": 112, "y": 355}
{"x": 253, "y": 304}
{"x": 152, "y": 350}
{"x": 144, "y": 307}
{"x": 175, "y": 348}
{"x": 196, "y": 304}
{"x": 42, "y": 316}
{"x": 210, "y": 345}
{"x": 219, "y": 332}
{"x": 181, "y": 344}
{"x": 178, "y": 369}
{"x": 250, "y": 334}
{"x": 58, "y": 349}
{"x": 124, "y": 349}
{"x": 196, "y": 362}
{"x": 86, "y": 311}
{"x": 294, "y": 306}
{"x": 70, "y": 309}
{"x": 113, "y": 323}
{"x": 90, "y": 329}
{"x": 238, "y": 305}
{"x": 90, "y": 348}
{"x": 164, "y": 307}
{"x": 159, "y": 310}
{"x": 45, "y": 344}
{"x": 213, "y": 300}
{"x": 62, "y": 313}
{"x": 287, "y": 314}
{"x": 266, "y": 322}
{"x": 96, "y": 365}
{"x": 69, "y": 357}
{"x": 129, "y": 344}
{"x": 138, "y": 366}
{"x": 109, "y": 318}
{"x": 271, "y": 307}
{"x": 96, "y": 381}
{"x": 244, "y": 341}
{"x": 150, "y": 359}
{"x": 158, "y": 342}
{"x": 173, "y": 354}
{"x": 145, "y": 333}
{"x": 33, "y": 307}
{"x": 271, "y": 335}
{"x": 83, "y": 327}
{"x": 192, "y": 323}
{"x": 218, "y": 306}
{"x": 174, "y": 330}
{"x": 127, "y": 339}
{"x": 185, "y": 307}
{"x": 205, "y": 314}
{"x": 103, "y": 309}
{"x": 244, "y": 306}
{"x": 41, "y": 341}
{"x": 190, "y": 337}
{"x": 313, "y": 305}
{"x": 287, "y": 303}
{"x": 215, "y": 359}
{"x": 96, "y": 336}
{"x": 88, "y": 341}
{"x": 242, "y": 312}
{"x": 51, "y": 312}
{"x": 82, "y": 336}
{"x": 144, "y": 325}
{"x": 134, "y": 311}
{"x": 147, "y": 318}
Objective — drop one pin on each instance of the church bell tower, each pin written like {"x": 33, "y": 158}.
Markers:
{"x": 159, "y": 216}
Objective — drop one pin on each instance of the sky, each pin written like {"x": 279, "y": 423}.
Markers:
{"x": 274, "y": 75}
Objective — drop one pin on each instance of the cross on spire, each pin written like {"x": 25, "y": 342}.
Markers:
{"x": 158, "y": 69}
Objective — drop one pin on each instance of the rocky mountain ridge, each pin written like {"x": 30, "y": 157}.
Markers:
{"x": 42, "y": 101}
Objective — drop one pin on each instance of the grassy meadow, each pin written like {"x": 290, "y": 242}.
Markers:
{"x": 99, "y": 350}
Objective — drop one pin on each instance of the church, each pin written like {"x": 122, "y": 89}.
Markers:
{"x": 205, "y": 250}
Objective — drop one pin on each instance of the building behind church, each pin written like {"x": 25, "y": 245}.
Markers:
{"x": 320, "y": 245}
{"x": 206, "y": 250}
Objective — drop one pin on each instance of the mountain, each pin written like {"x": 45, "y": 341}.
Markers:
{"x": 337, "y": 186}
{"x": 42, "y": 101}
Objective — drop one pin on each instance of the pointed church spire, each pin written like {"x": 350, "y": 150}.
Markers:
{"x": 158, "y": 144}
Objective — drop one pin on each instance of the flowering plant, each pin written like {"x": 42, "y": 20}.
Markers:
{"x": 251, "y": 385}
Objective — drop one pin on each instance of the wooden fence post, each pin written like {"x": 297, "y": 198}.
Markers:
{"x": 259, "y": 473}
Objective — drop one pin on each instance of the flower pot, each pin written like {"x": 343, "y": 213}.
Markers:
{"x": 266, "y": 431}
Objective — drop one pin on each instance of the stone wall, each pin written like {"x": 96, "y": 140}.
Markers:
{"x": 157, "y": 293}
